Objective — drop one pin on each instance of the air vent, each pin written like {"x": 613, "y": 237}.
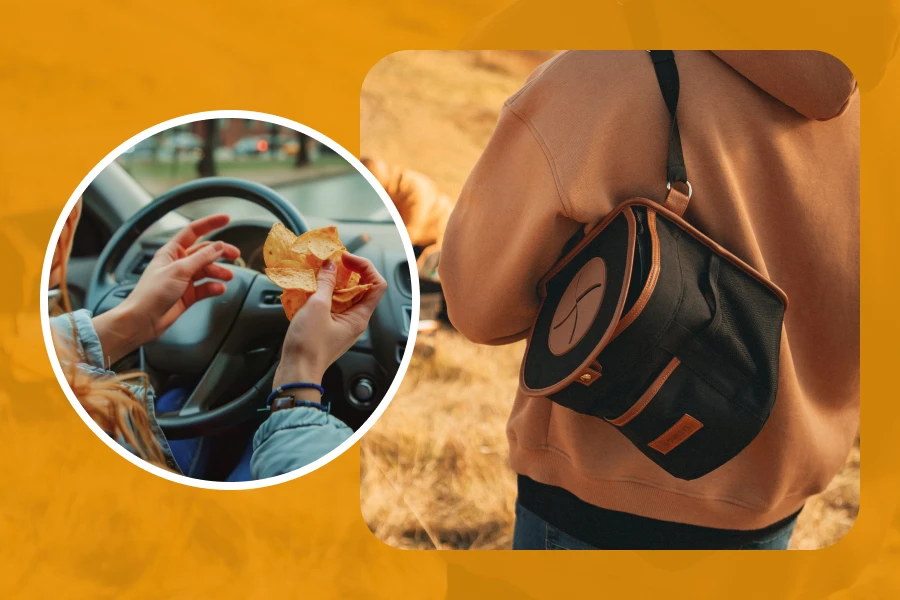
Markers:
{"x": 404, "y": 282}
{"x": 141, "y": 264}
{"x": 407, "y": 318}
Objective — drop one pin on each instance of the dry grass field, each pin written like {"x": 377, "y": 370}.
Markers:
{"x": 434, "y": 471}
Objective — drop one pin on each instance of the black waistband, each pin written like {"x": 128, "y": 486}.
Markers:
{"x": 614, "y": 530}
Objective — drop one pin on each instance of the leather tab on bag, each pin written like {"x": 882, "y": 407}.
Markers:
{"x": 676, "y": 201}
{"x": 676, "y": 434}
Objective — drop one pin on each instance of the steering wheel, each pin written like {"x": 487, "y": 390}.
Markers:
{"x": 219, "y": 339}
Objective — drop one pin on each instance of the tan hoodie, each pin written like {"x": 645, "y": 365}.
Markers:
{"x": 771, "y": 144}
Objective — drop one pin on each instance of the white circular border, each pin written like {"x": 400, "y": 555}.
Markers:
{"x": 222, "y": 485}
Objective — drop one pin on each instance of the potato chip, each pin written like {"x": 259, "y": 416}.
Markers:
{"x": 347, "y": 293}
{"x": 289, "y": 264}
{"x": 301, "y": 244}
{"x": 345, "y": 278}
{"x": 325, "y": 244}
{"x": 292, "y": 301}
{"x": 278, "y": 245}
{"x": 293, "y": 264}
{"x": 312, "y": 262}
{"x": 342, "y": 300}
{"x": 293, "y": 278}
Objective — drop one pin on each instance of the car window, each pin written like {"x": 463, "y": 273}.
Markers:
{"x": 310, "y": 175}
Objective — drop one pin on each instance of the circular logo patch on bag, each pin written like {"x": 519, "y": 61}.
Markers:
{"x": 578, "y": 307}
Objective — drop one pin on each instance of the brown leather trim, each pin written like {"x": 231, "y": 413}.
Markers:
{"x": 632, "y": 229}
{"x": 647, "y": 396}
{"x": 629, "y": 261}
{"x": 700, "y": 237}
{"x": 676, "y": 434}
{"x": 589, "y": 375}
{"x": 652, "y": 278}
{"x": 676, "y": 201}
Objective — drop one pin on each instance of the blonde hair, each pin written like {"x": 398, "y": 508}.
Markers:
{"x": 110, "y": 402}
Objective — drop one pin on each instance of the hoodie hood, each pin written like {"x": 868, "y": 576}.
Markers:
{"x": 815, "y": 84}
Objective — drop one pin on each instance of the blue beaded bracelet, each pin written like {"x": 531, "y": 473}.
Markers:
{"x": 296, "y": 386}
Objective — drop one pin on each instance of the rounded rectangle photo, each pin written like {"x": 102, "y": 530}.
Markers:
{"x": 640, "y": 299}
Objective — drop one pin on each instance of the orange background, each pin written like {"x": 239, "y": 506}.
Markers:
{"x": 76, "y": 520}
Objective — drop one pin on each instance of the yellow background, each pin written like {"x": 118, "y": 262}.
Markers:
{"x": 76, "y": 520}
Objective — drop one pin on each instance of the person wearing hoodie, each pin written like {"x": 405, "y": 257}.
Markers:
{"x": 771, "y": 142}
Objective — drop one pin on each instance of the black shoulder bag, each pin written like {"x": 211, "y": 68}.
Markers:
{"x": 657, "y": 329}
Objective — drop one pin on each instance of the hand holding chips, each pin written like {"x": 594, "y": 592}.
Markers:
{"x": 293, "y": 263}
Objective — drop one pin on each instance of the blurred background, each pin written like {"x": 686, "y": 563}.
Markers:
{"x": 433, "y": 471}
{"x": 308, "y": 174}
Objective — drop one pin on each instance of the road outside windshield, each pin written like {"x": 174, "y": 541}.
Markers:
{"x": 311, "y": 176}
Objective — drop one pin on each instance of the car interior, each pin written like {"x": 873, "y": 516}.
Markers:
{"x": 218, "y": 359}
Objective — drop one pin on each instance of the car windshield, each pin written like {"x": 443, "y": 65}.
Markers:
{"x": 315, "y": 179}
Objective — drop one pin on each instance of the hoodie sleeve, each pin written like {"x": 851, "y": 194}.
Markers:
{"x": 507, "y": 230}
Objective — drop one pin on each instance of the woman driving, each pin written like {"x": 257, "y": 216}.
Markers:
{"x": 299, "y": 428}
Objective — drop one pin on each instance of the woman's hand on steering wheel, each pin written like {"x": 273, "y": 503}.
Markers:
{"x": 317, "y": 337}
{"x": 167, "y": 288}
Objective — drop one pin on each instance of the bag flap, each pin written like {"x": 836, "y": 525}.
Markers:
{"x": 582, "y": 301}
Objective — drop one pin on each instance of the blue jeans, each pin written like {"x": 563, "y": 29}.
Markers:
{"x": 188, "y": 453}
{"x": 534, "y": 533}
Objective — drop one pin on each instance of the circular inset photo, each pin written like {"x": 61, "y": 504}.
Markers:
{"x": 229, "y": 300}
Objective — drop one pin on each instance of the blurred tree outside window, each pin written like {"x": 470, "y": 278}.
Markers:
{"x": 291, "y": 163}
{"x": 206, "y": 166}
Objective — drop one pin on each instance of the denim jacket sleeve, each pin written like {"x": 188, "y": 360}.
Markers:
{"x": 88, "y": 344}
{"x": 288, "y": 440}
{"x": 90, "y": 353}
{"x": 293, "y": 438}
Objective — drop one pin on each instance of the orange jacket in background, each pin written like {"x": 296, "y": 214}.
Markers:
{"x": 423, "y": 208}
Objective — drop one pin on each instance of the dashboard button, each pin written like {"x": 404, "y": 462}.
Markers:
{"x": 363, "y": 390}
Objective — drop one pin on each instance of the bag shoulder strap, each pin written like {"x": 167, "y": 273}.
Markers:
{"x": 669, "y": 85}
